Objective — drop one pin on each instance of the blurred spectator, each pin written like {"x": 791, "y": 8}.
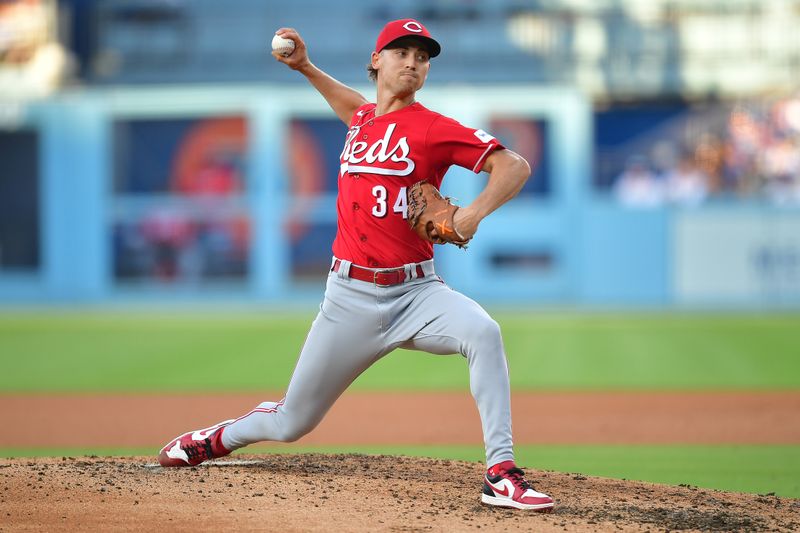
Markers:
{"x": 747, "y": 150}
{"x": 686, "y": 184}
{"x": 638, "y": 186}
{"x": 709, "y": 154}
{"x": 169, "y": 235}
{"x": 744, "y": 139}
{"x": 762, "y": 153}
{"x": 781, "y": 161}
{"x": 32, "y": 63}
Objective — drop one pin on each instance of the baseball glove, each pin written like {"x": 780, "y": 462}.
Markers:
{"x": 428, "y": 209}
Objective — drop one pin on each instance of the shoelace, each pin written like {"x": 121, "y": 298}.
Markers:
{"x": 517, "y": 477}
{"x": 195, "y": 450}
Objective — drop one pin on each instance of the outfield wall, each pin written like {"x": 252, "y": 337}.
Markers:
{"x": 105, "y": 189}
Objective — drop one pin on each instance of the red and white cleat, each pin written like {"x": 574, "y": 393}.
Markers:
{"x": 195, "y": 447}
{"x": 505, "y": 486}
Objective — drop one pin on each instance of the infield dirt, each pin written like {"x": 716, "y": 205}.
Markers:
{"x": 314, "y": 492}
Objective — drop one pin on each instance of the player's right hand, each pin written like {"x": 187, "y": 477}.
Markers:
{"x": 299, "y": 56}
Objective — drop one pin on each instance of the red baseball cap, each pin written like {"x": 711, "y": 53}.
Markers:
{"x": 406, "y": 28}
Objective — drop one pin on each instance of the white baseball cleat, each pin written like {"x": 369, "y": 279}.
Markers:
{"x": 504, "y": 485}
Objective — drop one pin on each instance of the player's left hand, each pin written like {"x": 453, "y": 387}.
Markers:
{"x": 433, "y": 216}
{"x": 465, "y": 222}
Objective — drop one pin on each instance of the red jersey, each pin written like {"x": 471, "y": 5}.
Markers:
{"x": 382, "y": 157}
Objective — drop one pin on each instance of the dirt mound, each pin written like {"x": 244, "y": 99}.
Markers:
{"x": 315, "y": 492}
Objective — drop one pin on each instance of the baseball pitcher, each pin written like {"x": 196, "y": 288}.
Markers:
{"x": 382, "y": 290}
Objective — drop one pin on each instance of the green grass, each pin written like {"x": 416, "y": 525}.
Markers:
{"x": 92, "y": 352}
{"x": 754, "y": 469}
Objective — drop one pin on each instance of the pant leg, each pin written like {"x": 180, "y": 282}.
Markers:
{"x": 443, "y": 321}
{"x": 343, "y": 342}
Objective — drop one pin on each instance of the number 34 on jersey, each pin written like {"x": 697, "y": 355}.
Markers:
{"x": 382, "y": 200}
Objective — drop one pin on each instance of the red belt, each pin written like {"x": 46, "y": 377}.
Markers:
{"x": 385, "y": 277}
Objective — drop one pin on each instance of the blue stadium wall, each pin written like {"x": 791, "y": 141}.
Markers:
{"x": 562, "y": 243}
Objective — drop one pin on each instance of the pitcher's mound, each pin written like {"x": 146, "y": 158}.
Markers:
{"x": 317, "y": 492}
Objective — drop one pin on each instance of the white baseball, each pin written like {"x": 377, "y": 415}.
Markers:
{"x": 283, "y": 46}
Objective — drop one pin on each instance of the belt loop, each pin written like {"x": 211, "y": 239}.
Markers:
{"x": 427, "y": 267}
{"x": 344, "y": 269}
{"x": 410, "y": 270}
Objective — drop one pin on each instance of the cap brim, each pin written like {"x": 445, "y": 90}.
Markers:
{"x": 433, "y": 47}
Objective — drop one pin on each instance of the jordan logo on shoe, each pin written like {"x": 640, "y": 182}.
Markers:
{"x": 501, "y": 492}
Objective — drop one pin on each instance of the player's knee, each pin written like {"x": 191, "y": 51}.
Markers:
{"x": 487, "y": 329}
{"x": 483, "y": 333}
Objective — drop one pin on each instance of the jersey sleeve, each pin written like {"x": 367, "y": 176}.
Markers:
{"x": 455, "y": 144}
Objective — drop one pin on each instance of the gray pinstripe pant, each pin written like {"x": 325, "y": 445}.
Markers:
{"x": 358, "y": 323}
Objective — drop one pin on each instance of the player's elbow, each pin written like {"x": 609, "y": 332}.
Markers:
{"x": 524, "y": 168}
{"x": 518, "y": 167}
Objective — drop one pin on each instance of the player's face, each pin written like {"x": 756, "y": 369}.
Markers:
{"x": 402, "y": 69}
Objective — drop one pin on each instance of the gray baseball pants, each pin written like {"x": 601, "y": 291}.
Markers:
{"x": 360, "y": 322}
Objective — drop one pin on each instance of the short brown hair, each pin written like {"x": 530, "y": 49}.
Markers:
{"x": 372, "y": 73}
